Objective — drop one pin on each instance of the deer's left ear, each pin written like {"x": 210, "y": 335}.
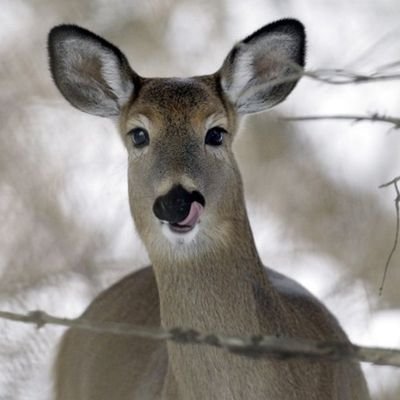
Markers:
{"x": 268, "y": 55}
{"x": 91, "y": 73}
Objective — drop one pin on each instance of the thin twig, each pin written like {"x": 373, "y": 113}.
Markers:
{"x": 375, "y": 117}
{"x": 255, "y": 346}
{"x": 328, "y": 76}
{"x": 334, "y": 76}
{"x": 338, "y": 76}
{"x": 343, "y": 77}
{"x": 393, "y": 182}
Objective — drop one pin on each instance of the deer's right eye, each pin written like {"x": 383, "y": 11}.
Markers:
{"x": 215, "y": 136}
{"x": 139, "y": 137}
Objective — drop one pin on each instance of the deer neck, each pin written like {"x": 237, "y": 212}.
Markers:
{"x": 215, "y": 290}
{"x": 221, "y": 291}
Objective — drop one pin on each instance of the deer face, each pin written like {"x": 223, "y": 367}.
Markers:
{"x": 184, "y": 185}
{"x": 178, "y": 133}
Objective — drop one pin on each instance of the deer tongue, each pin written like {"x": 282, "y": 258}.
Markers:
{"x": 196, "y": 209}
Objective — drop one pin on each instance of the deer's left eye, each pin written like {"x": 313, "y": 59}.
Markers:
{"x": 215, "y": 136}
{"x": 140, "y": 137}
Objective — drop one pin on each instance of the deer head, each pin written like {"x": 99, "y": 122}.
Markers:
{"x": 185, "y": 188}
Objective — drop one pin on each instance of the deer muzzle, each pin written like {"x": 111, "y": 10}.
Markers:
{"x": 179, "y": 208}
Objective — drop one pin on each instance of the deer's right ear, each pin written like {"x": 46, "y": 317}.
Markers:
{"x": 261, "y": 70}
{"x": 91, "y": 73}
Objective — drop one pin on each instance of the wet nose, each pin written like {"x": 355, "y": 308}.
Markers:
{"x": 175, "y": 205}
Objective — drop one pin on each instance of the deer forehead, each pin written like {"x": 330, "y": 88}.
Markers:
{"x": 180, "y": 105}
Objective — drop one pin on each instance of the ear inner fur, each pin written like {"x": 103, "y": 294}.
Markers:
{"x": 91, "y": 73}
{"x": 268, "y": 55}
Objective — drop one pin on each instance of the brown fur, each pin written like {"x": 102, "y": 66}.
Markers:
{"x": 216, "y": 284}
{"x": 221, "y": 287}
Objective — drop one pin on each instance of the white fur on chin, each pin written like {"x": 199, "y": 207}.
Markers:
{"x": 179, "y": 239}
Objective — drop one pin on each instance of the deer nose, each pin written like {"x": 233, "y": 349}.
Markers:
{"x": 175, "y": 206}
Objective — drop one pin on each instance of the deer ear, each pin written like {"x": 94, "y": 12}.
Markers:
{"x": 269, "y": 55}
{"x": 91, "y": 73}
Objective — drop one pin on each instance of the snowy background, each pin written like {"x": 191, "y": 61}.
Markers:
{"x": 312, "y": 188}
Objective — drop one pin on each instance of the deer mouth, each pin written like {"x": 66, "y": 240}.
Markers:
{"x": 190, "y": 221}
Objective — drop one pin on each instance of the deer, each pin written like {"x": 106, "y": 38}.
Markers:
{"x": 187, "y": 202}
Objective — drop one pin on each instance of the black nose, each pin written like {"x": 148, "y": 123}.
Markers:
{"x": 174, "y": 206}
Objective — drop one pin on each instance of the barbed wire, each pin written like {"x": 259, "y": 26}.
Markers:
{"x": 253, "y": 346}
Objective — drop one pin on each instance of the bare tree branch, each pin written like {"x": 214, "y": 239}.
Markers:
{"x": 338, "y": 76}
{"x": 344, "y": 77}
{"x": 371, "y": 118}
{"x": 375, "y": 117}
{"x": 331, "y": 76}
{"x": 393, "y": 182}
{"x": 255, "y": 346}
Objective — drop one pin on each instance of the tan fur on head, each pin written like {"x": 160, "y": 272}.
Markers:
{"x": 177, "y": 114}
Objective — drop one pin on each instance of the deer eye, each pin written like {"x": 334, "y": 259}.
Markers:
{"x": 139, "y": 136}
{"x": 215, "y": 136}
